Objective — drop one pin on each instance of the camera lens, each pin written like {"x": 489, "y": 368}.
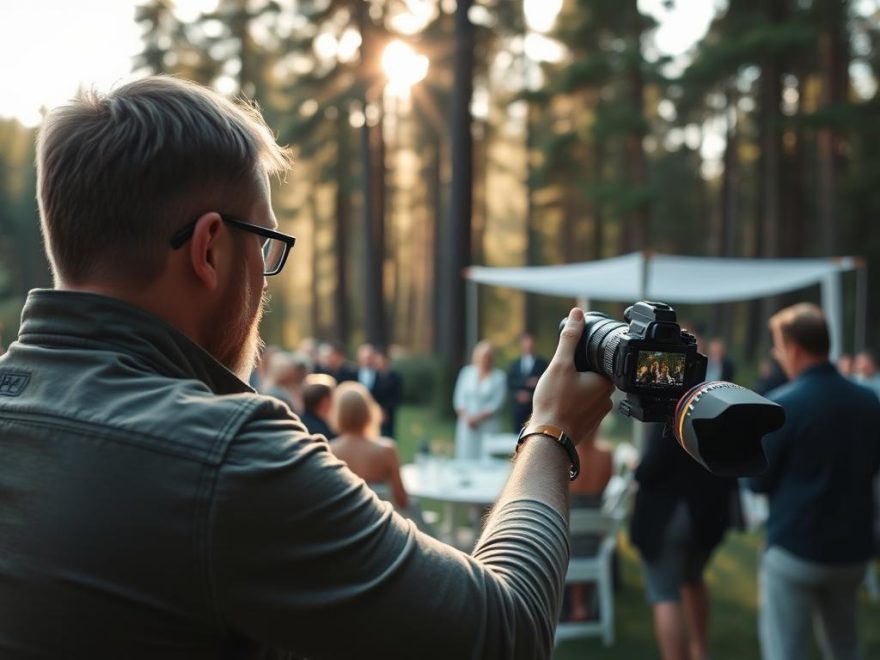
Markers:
{"x": 721, "y": 425}
{"x": 602, "y": 340}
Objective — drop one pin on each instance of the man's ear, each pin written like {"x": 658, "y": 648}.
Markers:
{"x": 205, "y": 249}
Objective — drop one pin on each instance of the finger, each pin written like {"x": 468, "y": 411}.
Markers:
{"x": 602, "y": 384}
{"x": 569, "y": 337}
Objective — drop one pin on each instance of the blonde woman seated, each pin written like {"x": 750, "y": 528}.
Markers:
{"x": 357, "y": 417}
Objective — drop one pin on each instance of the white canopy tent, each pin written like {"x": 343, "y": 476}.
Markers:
{"x": 689, "y": 280}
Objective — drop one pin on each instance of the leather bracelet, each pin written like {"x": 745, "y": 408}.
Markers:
{"x": 557, "y": 434}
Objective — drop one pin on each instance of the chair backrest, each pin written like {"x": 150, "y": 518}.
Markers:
{"x": 591, "y": 521}
{"x": 616, "y": 496}
{"x": 625, "y": 457}
{"x": 498, "y": 444}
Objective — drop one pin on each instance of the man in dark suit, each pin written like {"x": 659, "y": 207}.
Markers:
{"x": 387, "y": 390}
{"x": 333, "y": 361}
{"x": 522, "y": 378}
{"x": 819, "y": 482}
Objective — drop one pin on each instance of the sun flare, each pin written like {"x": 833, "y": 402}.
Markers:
{"x": 403, "y": 67}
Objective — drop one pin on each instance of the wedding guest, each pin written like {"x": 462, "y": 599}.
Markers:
{"x": 478, "y": 397}
{"x": 285, "y": 377}
{"x": 356, "y": 416}
{"x": 522, "y": 378}
{"x": 317, "y": 404}
{"x": 387, "y": 390}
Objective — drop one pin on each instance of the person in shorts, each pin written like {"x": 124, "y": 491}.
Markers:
{"x": 680, "y": 515}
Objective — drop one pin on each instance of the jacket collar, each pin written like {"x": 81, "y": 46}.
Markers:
{"x": 78, "y": 319}
{"x": 819, "y": 369}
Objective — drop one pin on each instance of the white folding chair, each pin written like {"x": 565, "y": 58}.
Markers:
{"x": 498, "y": 445}
{"x": 596, "y": 569}
{"x": 625, "y": 457}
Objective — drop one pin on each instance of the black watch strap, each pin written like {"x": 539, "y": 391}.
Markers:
{"x": 557, "y": 434}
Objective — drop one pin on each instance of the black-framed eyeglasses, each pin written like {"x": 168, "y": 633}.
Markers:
{"x": 276, "y": 246}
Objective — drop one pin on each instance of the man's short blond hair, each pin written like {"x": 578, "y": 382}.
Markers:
{"x": 116, "y": 171}
{"x": 803, "y": 324}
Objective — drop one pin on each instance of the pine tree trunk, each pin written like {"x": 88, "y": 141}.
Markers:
{"x": 598, "y": 238}
{"x": 315, "y": 294}
{"x": 457, "y": 232}
{"x": 770, "y": 120}
{"x": 341, "y": 304}
{"x": 771, "y": 144}
{"x": 728, "y": 230}
{"x": 435, "y": 178}
{"x": 638, "y": 168}
{"x": 373, "y": 163}
{"x": 533, "y": 256}
{"x": 834, "y": 64}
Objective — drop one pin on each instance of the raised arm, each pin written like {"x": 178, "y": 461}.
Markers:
{"x": 566, "y": 398}
{"x": 302, "y": 556}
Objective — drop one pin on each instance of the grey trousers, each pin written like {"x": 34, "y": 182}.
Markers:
{"x": 795, "y": 594}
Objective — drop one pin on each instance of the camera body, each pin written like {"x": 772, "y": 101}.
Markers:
{"x": 650, "y": 358}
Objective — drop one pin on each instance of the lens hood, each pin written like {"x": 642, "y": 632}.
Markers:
{"x": 721, "y": 424}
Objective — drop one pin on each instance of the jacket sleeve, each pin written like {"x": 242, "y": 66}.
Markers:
{"x": 304, "y": 557}
{"x": 515, "y": 380}
{"x": 657, "y": 460}
{"x": 776, "y": 446}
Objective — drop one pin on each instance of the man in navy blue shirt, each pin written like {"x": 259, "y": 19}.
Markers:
{"x": 821, "y": 466}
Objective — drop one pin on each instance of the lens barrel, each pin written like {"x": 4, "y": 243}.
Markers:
{"x": 721, "y": 424}
{"x": 602, "y": 341}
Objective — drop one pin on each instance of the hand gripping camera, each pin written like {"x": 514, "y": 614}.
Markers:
{"x": 657, "y": 365}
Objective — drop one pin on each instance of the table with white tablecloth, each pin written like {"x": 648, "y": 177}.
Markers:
{"x": 457, "y": 484}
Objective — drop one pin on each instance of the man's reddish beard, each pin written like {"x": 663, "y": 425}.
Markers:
{"x": 236, "y": 341}
{"x": 253, "y": 344}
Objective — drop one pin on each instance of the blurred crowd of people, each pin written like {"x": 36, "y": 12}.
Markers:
{"x": 353, "y": 405}
{"x": 305, "y": 380}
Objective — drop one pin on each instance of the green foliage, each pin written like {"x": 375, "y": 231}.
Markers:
{"x": 419, "y": 373}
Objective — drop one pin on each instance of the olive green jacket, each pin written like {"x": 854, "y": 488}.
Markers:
{"x": 153, "y": 506}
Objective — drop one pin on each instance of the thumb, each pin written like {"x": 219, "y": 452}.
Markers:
{"x": 570, "y": 336}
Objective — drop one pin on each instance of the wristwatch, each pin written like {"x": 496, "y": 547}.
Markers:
{"x": 557, "y": 434}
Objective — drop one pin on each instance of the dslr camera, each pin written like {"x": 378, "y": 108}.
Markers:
{"x": 650, "y": 358}
{"x": 657, "y": 365}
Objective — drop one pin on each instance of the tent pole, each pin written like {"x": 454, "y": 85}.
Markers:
{"x": 861, "y": 305}
{"x": 833, "y": 311}
{"x": 472, "y": 314}
{"x": 645, "y": 274}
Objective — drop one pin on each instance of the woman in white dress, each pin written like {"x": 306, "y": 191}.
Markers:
{"x": 479, "y": 395}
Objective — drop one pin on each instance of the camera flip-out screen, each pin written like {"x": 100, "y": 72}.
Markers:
{"x": 660, "y": 369}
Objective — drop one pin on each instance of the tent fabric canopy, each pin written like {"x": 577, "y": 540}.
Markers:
{"x": 680, "y": 280}
{"x": 672, "y": 279}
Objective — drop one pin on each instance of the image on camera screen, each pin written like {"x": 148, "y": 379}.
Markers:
{"x": 659, "y": 369}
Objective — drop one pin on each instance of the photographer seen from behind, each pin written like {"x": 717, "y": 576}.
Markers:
{"x": 681, "y": 514}
{"x": 154, "y": 506}
{"x": 820, "y": 469}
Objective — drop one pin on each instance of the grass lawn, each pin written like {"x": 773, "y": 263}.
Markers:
{"x": 732, "y": 579}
